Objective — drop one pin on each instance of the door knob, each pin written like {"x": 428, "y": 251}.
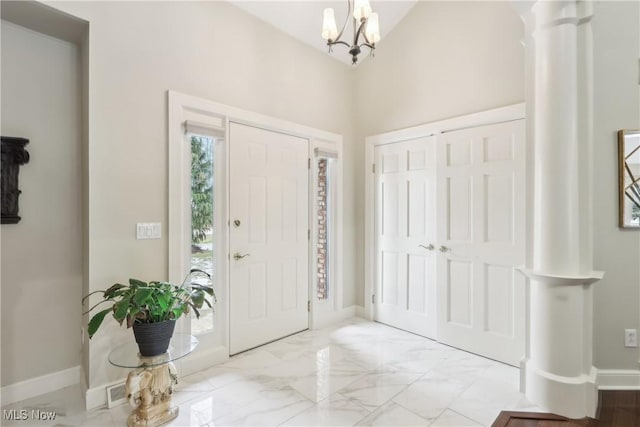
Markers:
{"x": 444, "y": 249}
{"x": 429, "y": 248}
{"x": 237, "y": 256}
{"x": 236, "y": 222}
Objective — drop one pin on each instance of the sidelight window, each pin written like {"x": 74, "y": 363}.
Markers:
{"x": 325, "y": 227}
{"x": 203, "y": 232}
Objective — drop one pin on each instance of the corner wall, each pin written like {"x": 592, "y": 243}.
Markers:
{"x": 42, "y": 254}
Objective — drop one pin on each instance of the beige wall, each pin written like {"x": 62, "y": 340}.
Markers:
{"x": 41, "y": 255}
{"x": 616, "y": 35}
{"x": 444, "y": 59}
{"x": 213, "y": 50}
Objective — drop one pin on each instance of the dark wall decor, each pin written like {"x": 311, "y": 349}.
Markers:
{"x": 13, "y": 156}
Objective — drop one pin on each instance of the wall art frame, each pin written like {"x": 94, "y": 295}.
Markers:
{"x": 629, "y": 178}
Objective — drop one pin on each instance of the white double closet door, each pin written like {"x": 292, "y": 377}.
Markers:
{"x": 269, "y": 247}
{"x": 449, "y": 234}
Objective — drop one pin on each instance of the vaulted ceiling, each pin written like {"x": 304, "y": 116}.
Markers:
{"x": 302, "y": 19}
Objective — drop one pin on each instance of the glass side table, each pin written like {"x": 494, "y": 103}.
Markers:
{"x": 150, "y": 384}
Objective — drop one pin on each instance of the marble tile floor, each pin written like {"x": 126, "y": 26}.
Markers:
{"x": 355, "y": 373}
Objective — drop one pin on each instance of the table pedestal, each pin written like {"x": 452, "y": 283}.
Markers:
{"x": 149, "y": 390}
{"x": 149, "y": 385}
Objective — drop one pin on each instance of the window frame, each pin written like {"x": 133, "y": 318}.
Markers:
{"x": 326, "y": 310}
{"x": 218, "y": 226}
{"x": 188, "y": 115}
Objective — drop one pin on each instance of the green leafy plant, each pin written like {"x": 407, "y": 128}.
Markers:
{"x": 152, "y": 302}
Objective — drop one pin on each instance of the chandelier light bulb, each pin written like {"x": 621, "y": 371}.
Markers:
{"x": 329, "y": 28}
{"x": 361, "y": 9}
{"x": 373, "y": 29}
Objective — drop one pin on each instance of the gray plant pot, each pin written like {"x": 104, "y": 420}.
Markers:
{"x": 153, "y": 338}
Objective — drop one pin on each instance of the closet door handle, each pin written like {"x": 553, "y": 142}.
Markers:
{"x": 237, "y": 256}
{"x": 429, "y": 248}
{"x": 444, "y": 249}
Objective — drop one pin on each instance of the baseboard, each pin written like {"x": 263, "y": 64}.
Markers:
{"x": 201, "y": 360}
{"x": 328, "y": 318}
{"x": 40, "y": 385}
{"x": 96, "y": 397}
{"x": 618, "y": 379}
{"x": 571, "y": 397}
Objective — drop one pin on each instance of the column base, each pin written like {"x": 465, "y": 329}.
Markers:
{"x": 571, "y": 397}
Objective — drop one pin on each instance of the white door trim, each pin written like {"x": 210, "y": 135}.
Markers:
{"x": 329, "y": 311}
{"x": 183, "y": 107}
{"x": 498, "y": 115}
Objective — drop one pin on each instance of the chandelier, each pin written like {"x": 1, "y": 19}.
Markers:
{"x": 365, "y": 24}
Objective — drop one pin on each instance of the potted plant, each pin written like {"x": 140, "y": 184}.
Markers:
{"x": 152, "y": 308}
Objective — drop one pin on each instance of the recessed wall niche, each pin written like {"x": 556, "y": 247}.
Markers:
{"x": 13, "y": 156}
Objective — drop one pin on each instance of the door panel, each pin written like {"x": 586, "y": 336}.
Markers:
{"x": 417, "y": 271}
{"x": 499, "y": 213}
{"x": 390, "y": 278}
{"x": 499, "y": 282}
{"x": 404, "y": 220}
{"x": 269, "y": 199}
{"x": 480, "y": 197}
{"x": 459, "y": 190}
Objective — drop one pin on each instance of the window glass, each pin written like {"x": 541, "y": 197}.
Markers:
{"x": 202, "y": 230}
{"x": 324, "y": 228}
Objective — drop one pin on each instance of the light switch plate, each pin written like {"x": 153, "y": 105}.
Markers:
{"x": 156, "y": 230}
{"x": 148, "y": 230}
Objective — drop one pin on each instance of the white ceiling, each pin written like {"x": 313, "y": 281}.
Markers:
{"x": 302, "y": 19}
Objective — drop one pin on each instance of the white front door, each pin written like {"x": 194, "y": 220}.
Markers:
{"x": 269, "y": 247}
{"x": 480, "y": 217}
{"x": 405, "y": 235}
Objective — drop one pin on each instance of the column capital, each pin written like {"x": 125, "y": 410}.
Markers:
{"x": 556, "y": 279}
{"x": 551, "y": 13}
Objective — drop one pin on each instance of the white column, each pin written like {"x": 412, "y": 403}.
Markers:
{"x": 558, "y": 371}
